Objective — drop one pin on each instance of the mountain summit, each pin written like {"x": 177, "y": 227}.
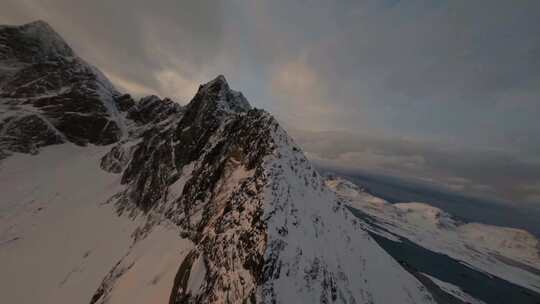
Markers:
{"x": 50, "y": 95}
{"x": 217, "y": 95}
{"x": 36, "y": 41}
{"x": 208, "y": 203}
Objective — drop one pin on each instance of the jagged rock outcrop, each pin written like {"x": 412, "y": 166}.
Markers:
{"x": 186, "y": 170}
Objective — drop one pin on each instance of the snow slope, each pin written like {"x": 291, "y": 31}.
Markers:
{"x": 318, "y": 251}
{"x": 146, "y": 274}
{"x": 58, "y": 239}
{"x": 56, "y": 236}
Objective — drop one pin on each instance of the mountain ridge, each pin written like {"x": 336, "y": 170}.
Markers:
{"x": 213, "y": 202}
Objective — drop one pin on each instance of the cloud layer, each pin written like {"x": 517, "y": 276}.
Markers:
{"x": 487, "y": 173}
{"x": 458, "y": 73}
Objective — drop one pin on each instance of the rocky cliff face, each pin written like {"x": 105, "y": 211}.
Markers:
{"x": 45, "y": 86}
{"x": 261, "y": 224}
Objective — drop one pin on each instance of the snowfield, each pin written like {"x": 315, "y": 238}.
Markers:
{"x": 58, "y": 238}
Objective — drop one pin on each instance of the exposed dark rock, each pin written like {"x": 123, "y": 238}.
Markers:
{"x": 26, "y": 134}
{"x": 116, "y": 160}
{"x": 152, "y": 109}
{"x": 179, "y": 294}
{"x": 45, "y": 80}
{"x": 214, "y": 135}
{"x": 125, "y": 102}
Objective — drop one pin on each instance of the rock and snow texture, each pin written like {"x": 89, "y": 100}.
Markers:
{"x": 48, "y": 95}
{"x": 508, "y": 253}
{"x": 317, "y": 252}
{"x": 55, "y": 204}
{"x": 59, "y": 239}
{"x": 258, "y": 213}
{"x": 147, "y": 272}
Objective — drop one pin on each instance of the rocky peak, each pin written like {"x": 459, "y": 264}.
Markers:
{"x": 216, "y": 95}
{"x": 152, "y": 109}
{"x": 33, "y": 42}
{"x": 44, "y": 82}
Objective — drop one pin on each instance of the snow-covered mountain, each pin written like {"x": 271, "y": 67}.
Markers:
{"x": 146, "y": 201}
{"x": 507, "y": 253}
{"x": 107, "y": 199}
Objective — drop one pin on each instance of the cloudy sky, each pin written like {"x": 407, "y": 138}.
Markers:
{"x": 442, "y": 91}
